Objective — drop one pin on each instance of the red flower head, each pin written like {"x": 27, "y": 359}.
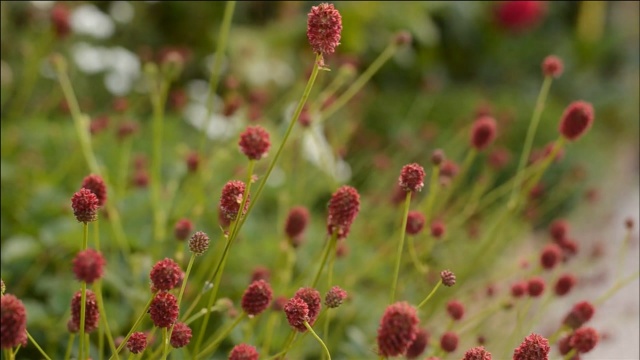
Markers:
{"x": 398, "y": 329}
{"x": 260, "y": 273}
{"x": 343, "y": 209}
{"x": 483, "y": 132}
{"x": 254, "y": 142}
{"x": 576, "y": 120}
{"x": 199, "y": 243}
{"x": 564, "y": 284}
{"x": 519, "y": 16}
{"x": 584, "y": 339}
{"x": 579, "y": 314}
{"x": 448, "y": 278}
{"x": 415, "y": 222}
{"x": 559, "y": 229}
{"x": 449, "y": 341}
{"x": 91, "y": 315}
{"x": 477, "y": 353}
{"x": 296, "y": 223}
{"x": 14, "y": 322}
{"x": 455, "y": 309}
{"x": 137, "y": 342}
{"x": 334, "y": 297}
{"x": 182, "y": 229}
{"x": 97, "y": 186}
{"x": 60, "y": 20}
{"x": 438, "y": 229}
{"x": 324, "y": 25}
{"x": 88, "y": 265}
{"x": 297, "y": 312}
{"x": 411, "y": 178}
{"x": 193, "y": 161}
{"x": 437, "y": 157}
{"x": 312, "y": 298}
{"x": 534, "y": 347}
{"x": 535, "y": 286}
{"x": 181, "y": 335}
{"x": 85, "y": 205}
{"x": 243, "y": 352}
{"x": 552, "y": 66}
{"x": 231, "y": 199}
{"x": 164, "y": 309}
{"x": 165, "y": 275}
{"x": 550, "y": 256}
{"x": 449, "y": 169}
{"x": 518, "y": 289}
{"x": 417, "y": 346}
{"x": 257, "y": 297}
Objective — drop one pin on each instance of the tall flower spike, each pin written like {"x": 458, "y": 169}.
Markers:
{"x": 85, "y": 205}
{"x": 343, "y": 209}
{"x": 483, "y": 132}
{"x": 88, "y": 265}
{"x": 576, "y": 120}
{"x": 254, "y": 142}
{"x": 324, "y": 25}
{"x": 411, "y": 177}
{"x": 14, "y": 322}
{"x": 534, "y": 347}
{"x": 257, "y": 297}
{"x": 92, "y": 314}
{"x": 96, "y": 184}
{"x": 231, "y": 199}
{"x": 398, "y": 329}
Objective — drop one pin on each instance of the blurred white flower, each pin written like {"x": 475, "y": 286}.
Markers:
{"x": 121, "y": 11}
{"x": 88, "y": 19}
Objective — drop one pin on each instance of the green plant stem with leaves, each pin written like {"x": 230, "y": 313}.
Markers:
{"x": 313, "y": 333}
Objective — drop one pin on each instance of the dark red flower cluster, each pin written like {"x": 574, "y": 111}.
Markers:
{"x": 257, "y": 297}
{"x": 552, "y": 66}
{"x": 411, "y": 178}
{"x": 85, "y": 205}
{"x": 165, "y": 275}
{"x": 448, "y": 278}
{"x": 534, "y": 347}
{"x": 483, "y": 132}
{"x": 324, "y": 25}
{"x": 519, "y": 16}
{"x": 243, "y": 352}
{"x": 415, "y": 222}
{"x": 334, "y": 297}
{"x": 343, "y": 209}
{"x": 13, "y": 329}
{"x": 449, "y": 341}
{"x": 477, "y": 353}
{"x": 137, "y": 342}
{"x": 418, "y": 345}
{"x": 199, "y": 243}
{"x": 254, "y": 142}
{"x": 398, "y": 329}
{"x": 91, "y": 315}
{"x": 231, "y": 199}
{"x": 164, "y": 309}
{"x": 88, "y": 265}
{"x": 96, "y": 184}
{"x": 579, "y": 314}
{"x": 296, "y": 223}
{"x": 182, "y": 229}
{"x": 181, "y": 335}
{"x": 576, "y": 120}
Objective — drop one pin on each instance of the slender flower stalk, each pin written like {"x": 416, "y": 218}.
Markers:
{"x": 35, "y": 343}
{"x": 81, "y": 121}
{"x": 313, "y": 333}
{"x": 426, "y": 300}
{"x": 325, "y": 254}
{"x": 212, "y": 346}
{"x": 403, "y": 229}
{"x": 83, "y": 298}
{"x": 528, "y": 142}
{"x": 135, "y": 326}
{"x": 184, "y": 285}
{"x": 214, "y": 79}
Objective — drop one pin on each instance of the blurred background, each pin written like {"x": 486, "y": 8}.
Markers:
{"x": 466, "y": 58}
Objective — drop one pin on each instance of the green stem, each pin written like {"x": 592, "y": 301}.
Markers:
{"x": 313, "y": 333}
{"x": 466, "y": 164}
{"x": 617, "y": 286}
{"x": 435, "y": 288}
{"x": 268, "y": 334}
{"x": 134, "y": 327}
{"x": 67, "y": 354}
{"x": 570, "y": 354}
{"x": 105, "y": 319}
{"x": 184, "y": 285}
{"x": 35, "y": 343}
{"x": 386, "y": 54}
{"x": 217, "y": 274}
{"x": 433, "y": 190}
{"x": 403, "y": 228}
{"x": 165, "y": 343}
{"x": 325, "y": 253}
{"x": 528, "y": 142}
{"x": 214, "y": 344}
{"x": 202, "y": 312}
{"x": 214, "y": 79}
{"x": 537, "y": 175}
{"x": 287, "y": 346}
{"x": 414, "y": 256}
{"x": 83, "y": 296}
